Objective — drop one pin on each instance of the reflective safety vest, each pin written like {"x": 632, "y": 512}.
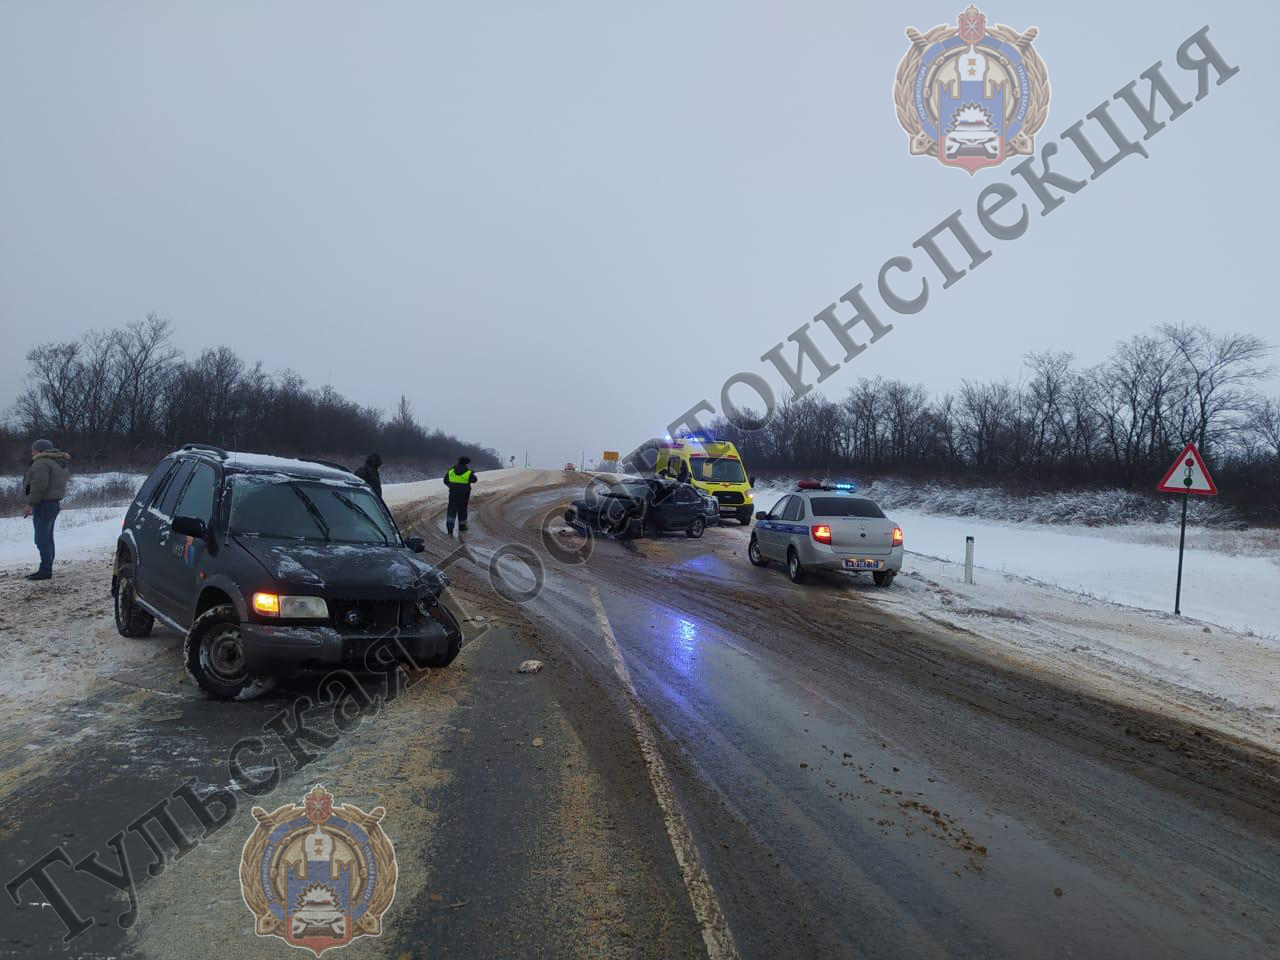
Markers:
{"x": 463, "y": 477}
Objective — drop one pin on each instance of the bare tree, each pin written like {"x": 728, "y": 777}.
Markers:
{"x": 1217, "y": 368}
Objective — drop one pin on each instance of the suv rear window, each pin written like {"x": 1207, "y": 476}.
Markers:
{"x": 844, "y": 507}
{"x": 167, "y": 495}
{"x": 149, "y": 485}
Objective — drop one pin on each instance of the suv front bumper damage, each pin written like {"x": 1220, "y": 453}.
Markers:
{"x": 276, "y": 649}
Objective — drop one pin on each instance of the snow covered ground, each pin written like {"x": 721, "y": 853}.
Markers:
{"x": 1241, "y": 592}
{"x": 81, "y": 532}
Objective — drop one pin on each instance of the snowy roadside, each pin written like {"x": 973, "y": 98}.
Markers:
{"x": 1118, "y": 564}
{"x": 1221, "y": 678}
{"x": 81, "y": 533}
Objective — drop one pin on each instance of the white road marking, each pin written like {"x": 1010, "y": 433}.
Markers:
{"x": 702, "y": 896}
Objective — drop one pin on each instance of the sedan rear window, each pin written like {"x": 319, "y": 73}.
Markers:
{"x": 844, "y": 507}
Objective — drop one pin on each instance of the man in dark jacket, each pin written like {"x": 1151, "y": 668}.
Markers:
{"x": 369, "y": 472}
{"x": 459, "y": 480}
{"x": 44, "y": 486}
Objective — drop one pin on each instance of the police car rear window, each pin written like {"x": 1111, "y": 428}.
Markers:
{"x": 844, "y": 507}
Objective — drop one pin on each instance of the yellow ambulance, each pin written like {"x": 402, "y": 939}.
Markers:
{"x": 714, "y": 467}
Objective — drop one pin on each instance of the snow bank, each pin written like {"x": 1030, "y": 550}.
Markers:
{"x": 80, "y": 533}
{"x": 1236, "y": 591}
{"x": 398, "y": 494}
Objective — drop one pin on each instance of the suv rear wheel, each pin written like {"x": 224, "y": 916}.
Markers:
{"x": 131, "y": 619}
{"x": 215, "y": 657}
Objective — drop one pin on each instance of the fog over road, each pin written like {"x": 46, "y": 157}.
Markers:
{"x": 842, "y": 783}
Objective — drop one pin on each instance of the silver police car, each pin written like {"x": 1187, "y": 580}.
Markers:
{"x": 826, "y": 526}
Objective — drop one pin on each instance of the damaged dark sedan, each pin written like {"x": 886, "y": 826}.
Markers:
{"x": 639, "y": 507}
{"x": 269, "y": 566}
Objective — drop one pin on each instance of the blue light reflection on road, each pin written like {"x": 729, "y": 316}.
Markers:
{"x": 682, "y": 645}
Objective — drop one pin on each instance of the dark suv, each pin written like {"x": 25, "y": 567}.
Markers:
{"x": 269, "y": 565}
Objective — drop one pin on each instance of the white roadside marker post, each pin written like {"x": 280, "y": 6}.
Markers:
{"x": 968, "y": 559}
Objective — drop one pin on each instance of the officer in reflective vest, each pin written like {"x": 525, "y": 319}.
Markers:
{"x": 459, "y": 480}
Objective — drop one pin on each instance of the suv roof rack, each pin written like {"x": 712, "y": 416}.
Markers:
{"x": 327, "y": 463}
{"x": 210, "y": 448}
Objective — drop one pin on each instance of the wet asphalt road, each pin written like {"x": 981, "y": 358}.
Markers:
{"x": 852, "y": 787}
{"x": 859, "y": 789}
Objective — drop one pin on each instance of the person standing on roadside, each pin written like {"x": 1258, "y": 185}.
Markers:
{"x": 45, "y": 485}
{"x": 459, "y": 480}
{"x": 368, "y": 472}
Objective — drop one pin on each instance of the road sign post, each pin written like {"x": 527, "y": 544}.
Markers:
{"x": 1192, "y": 477}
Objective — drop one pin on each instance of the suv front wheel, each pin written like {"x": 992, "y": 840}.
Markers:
{"x": 215, "y": 659}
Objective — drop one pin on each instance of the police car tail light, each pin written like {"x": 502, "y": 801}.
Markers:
{"x": 897, "y": 536}
{"x": 822, "y": 533}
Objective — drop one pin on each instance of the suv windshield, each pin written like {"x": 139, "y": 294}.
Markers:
{"x": 717, "y": 471}
{"x": 303, "y": 510}
{"x": 844, "y": 507}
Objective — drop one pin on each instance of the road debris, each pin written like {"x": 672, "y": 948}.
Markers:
{"x": 529, "y": 666}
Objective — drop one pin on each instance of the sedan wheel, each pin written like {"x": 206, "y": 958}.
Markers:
{"x": 696, "y": 528}
{"x": 794, "y": 570}
{"x": 753, "y": 553}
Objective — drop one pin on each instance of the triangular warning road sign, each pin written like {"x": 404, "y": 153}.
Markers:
{"x": 1188, "y": 475}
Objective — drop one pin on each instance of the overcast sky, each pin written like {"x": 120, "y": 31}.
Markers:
{"x": 556, "y": 225}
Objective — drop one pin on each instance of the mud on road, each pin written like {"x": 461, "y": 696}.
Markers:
{"x": 858, "y": 782}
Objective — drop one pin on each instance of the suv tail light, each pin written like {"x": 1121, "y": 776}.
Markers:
{"x": 822, "y": 533}
{"x": 897, "y": 536}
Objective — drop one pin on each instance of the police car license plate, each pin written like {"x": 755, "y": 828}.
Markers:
{"x": 862, "y": 564}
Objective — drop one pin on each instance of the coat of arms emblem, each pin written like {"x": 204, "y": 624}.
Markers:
{"x": 970, "y": 94}
{"x": 316, "y": 875}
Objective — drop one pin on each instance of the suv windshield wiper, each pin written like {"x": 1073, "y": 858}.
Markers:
{"x": 312, "y": 509}
{"x": 356, "y": 508}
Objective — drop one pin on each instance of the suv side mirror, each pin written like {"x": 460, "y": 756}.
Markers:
{"x": 190, "y": 527}
{"x": 762, "y": 514}
{"x": 416, "y": 544}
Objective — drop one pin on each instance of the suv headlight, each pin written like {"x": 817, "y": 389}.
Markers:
{"x": 304, "y": 608}
{"x": 290, "y": 608}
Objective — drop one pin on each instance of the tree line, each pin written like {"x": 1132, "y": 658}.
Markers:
{"x": 119, "y": 395}
{"x": 1118, "y": 423}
